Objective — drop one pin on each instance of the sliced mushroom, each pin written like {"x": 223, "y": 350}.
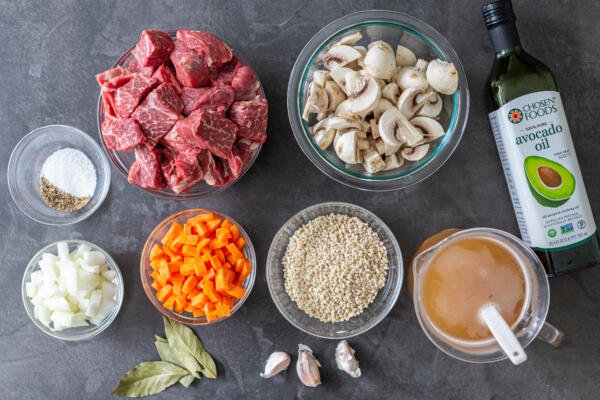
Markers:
{"x": 363, "y": 94}
{"x": 411, "y": 101}
{"x": 363, "y": 144}
{"x": 405, "y": 57}
{"x": 381, "y": 107}
{"x": 395, "y": 129}
{"x": 339, "y": 55}
{"x": 393, "y": 161}
{"x": 432, "y": 105}
{"x": 350, "y": 40}
{"x": 373, "y": 162}
{"x": 346, "y": 147}
{"x": 391, "y": 91}
{"x": 430, "y": 128}
{"x": 335, "y": 95}
{"x": 388, "y": 150}
{"x": 374, "y": 128}
{"x": 323, "y": 133}
{"x": 345, "y": 122}
{"x": 415, "y": 153}
{"x": 379, "y": 146}
{"x": 339, "y": 76}
{"x": 379, "y": 60}
{"x": 320, "y": 77}
{"x": 410, "y": 77}
{"x": 421, "y": 65}
{"x": 316, "y": 102}
{"x": 442, "y": 76}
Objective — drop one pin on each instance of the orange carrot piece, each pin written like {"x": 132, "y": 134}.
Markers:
{"x": 220, "y": 254}
{"x": 239, "y": 264}
{"x": 169, "y": 304}
{"x": 222, "y": 280}
{"x": 223, "y": 234}
{"x": 235, "y": 232}
{"x": 156, "y": 252}
{"x": 210, "y": 274}
{"x": 213, "y": 224}
{"x": 216, "y": 262}
{"x": 189, "y": 284}
{"x": 240, "y": 243}
{"x": 209, "y": 291}
{"x": 164, "y": 293}
{"x": 188, "y": 269}
{"x": 177, "y": 282}
{"x": 187, "y": 228}
{"x": 202, "y": 243}
{"x": 236, "y": 291}
{"x": 234, "y": 251}
{"x": 156, "y": 285}
{"x": 199, "y": 300}
{"x": 194, "y": 292}
{"x": 198, "y": 312}
{"x": 226, "y": 223}
{"x": 180, "y": 303}
{"x": 205, "y": 217}
{"x": 191, "y": 240}
{"x": 173, "y": 232}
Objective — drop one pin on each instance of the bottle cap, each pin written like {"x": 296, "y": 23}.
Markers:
{"x": 497, "y": 13}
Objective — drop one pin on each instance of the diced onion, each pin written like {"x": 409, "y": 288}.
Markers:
{"x": 72, "y": 289}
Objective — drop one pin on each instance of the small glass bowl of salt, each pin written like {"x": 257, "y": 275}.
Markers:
{"x": 58, "y": 175}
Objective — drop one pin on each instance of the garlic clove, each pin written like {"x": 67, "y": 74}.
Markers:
{"x": 277, "y": 362}
{"x": 345, "y": 359}
{"x": 307, "y": 367}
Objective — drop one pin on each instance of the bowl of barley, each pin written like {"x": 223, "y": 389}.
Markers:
{"x": 334, "y": 270}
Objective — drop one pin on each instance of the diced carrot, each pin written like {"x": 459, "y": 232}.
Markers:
{"x": 202, "y": 243}
{"x": 187, "y": 229}
{"x": 235, "y": 232}
{"x": 205, "y": 217}
{"x": 236, "y": 291}
{"x": 213, "y": 224}
{"x": 220, "y": 254}
{"x": 173, "y": 232}
{"x": 199, "y": 267}
{"x": 189, "y": 284}
{"x": 188, "y": 250}
{"x": 180, "y": 303}
{"x": 198, "y": 312}
{"x": 245, "y": 272}
{"x": 191, "y": 240}
{"x": 156, "y": 252}
{"x": 223, "y": 234}
{"x": 169, "y": 304}
{"x": 226, "y": 223}
{"x": 239, "y": 264}
{"x": 216, "y": 262}
{"x": 174, "y": 266}
{"x": 227, "y": 265}
{"x": 156, "y": 285}
{"x": 164, "y": 272}
{"x": 234, "y": 251}
{"x": 222, "y": 280}
{"x": 209, "y": 291}
{"x": 194, "y": 292}
{"x": 187, "y": 269}
{"x": 210, "y": 274}
{"x": 201, "y": 229}
{"x": 177, "y": 282}
{"x": 164, "y": 293}
{"x": 240, "y": 243}
{"x": 199, "y": 300}
{"x": 210, "y": 312}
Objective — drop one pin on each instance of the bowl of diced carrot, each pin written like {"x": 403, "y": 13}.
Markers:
{"x": 198, "y": 267}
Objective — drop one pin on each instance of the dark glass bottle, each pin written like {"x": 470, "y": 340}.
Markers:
{"x": 526, "y": 121}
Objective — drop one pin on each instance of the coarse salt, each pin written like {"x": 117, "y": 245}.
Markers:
{"x": 71, "y": 171}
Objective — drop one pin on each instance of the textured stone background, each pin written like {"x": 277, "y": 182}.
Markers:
{"x": 49, "y": 54}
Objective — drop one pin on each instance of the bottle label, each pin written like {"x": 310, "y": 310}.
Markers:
{"x": 542, "y": 172}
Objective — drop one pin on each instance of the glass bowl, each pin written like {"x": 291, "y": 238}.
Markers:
{"x": 394, "y": 28}
{"x": 146, "y": 269}
{"x": 373, "y": 314}
{"x": 25, "y": 165}
{"x": 80, "y": 333}
{"x": 122, "y": 160}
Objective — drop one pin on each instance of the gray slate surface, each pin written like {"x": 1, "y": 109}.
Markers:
{"x": 49, "y": 54}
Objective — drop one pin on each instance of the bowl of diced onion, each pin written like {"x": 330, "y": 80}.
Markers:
{"x": 72, "y": 290}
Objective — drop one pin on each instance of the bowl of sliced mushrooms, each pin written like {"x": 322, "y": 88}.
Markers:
{"x": 378, "y": 100}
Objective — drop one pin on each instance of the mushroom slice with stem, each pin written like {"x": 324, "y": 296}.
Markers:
{"x": 381, "y": 107}
{"x": 430, "y": 128}
{"x": 415, "y": 153}
{"x": 363, "y": 94}
{"x": 432, "y": 106}
{"x": 379, "y": 145}
{"x": 391, "y": 91}
{"x": 344, "y": 122}
{"x": 442, "y": 76}
{"x": 339, "y": 76}
{"x": 374, "y": 128}
{"x": 320, "y": 77}
{"x": 379, "y": 60}
{"x": 316, "y": 102}
{"x": 395, "y": 129}
{"x": 411, "y": 101}
{"x": 410, "y": 77}
{"x": 373, "y": 162}
{"x": 346, "y": 147}
{"x": 393, "y": 161}
{"x": 340, "y": 55}
{"x": 405, "y": 57}
{"x": 323, "y": 134}
{"x": 350, "y": 40}
{"x": 335, "y": 95}
{"x": 388, "y": 150}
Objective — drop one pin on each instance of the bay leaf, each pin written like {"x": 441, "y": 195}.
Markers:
{"x": 180, "y": 349}
{"x": 149, "y": 378}
{"x": 181, "y": 338}
{"x": 187, "y": 380}
{"x": 168, "y": 354}
{"x": 160, "y": 339}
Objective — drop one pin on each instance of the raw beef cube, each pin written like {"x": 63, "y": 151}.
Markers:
{"x": 153, "y": 49}
{"x": 108, "y": 101}
{"x": 183, "y": 137}
{"x": 110, "y": 74}
{"x": 216, "y": 99}
{"x": 145, "y": 171}
{"x": 247, "y": 148}
{"x": 215, "y": 174}
{"x": 251, "y": 118}
{"x": 180, "y": 171}
{"x": 129, "y": 95}
{"x": 165, "y": 74}
{"x": 244, "y": 83}
{"x": 121, "y": 133}
{"x": 213, "y": 49}
{"x": 216, "y": 133}
{"x": 190, "y": 68}
{"x": 134, "y": 67}
{"x": 158, "y": 112}
{"x": 235, "y": 164}
{"x": 224, "y": 75}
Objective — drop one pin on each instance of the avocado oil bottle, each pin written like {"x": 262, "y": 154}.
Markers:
{"x": 537, "y": 152}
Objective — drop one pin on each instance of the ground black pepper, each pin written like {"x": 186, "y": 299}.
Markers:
{"x": 60, "y": 200}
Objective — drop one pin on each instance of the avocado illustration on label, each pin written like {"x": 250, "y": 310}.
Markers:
{"x": 550, "y": 183}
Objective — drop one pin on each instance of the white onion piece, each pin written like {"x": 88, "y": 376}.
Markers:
{"x": 72, "y": 289}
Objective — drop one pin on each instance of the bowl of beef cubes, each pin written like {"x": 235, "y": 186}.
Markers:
{"x": 181, "y": 115}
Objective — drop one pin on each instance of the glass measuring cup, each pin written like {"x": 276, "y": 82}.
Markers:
{"x": 531, "y": 322}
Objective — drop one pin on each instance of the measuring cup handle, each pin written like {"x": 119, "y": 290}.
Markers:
{"x": 552, "y": 335}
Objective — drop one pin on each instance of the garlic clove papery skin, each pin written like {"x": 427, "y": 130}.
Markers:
{"x": 307, "y": 367}
{"x": 277, "y": 362}
{"x": 345, "y": 359}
